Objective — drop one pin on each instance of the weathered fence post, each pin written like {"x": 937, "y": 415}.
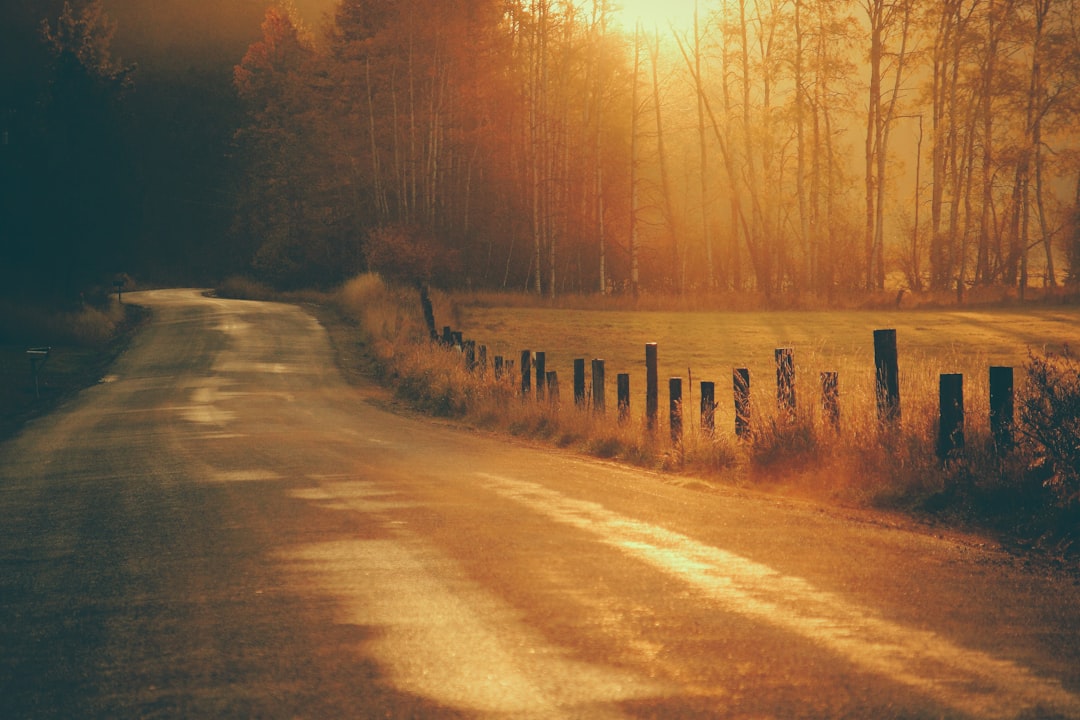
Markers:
{"x": 498, "y": 367}
{"x": 598, "y": 386}
{"x": 482, "y": 359}
{"x": 470, "y": 355}
{"x": 526, "y": 368}
{"x": 622, "y": 381}
{"x": 741, "y": 381}
{"x": 553, "y": 386}
{"x": 1002, "y": 407}
{"x": 708, "y": 408}
{"x": 830, "y": 398}
{"x": 888, "y": 375}
{"x": 459, "y": 339}
{"x": 540, "y": 361}
{"x": 579, "y": 382}
{"x": 951, "y": 426}
{"x": 429, "y": 312}
{"x": 447, "y": 336}
{"x": 675, "y": 409}
{"x": 652, "y": 391}
{"x": 785, "y": 381}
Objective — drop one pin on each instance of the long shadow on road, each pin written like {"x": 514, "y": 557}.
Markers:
{"x": 151, "y": 596}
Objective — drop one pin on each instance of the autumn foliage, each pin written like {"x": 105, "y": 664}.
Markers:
{"x": 774, "y": 147}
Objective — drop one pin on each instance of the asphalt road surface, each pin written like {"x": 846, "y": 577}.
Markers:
{"x": 223, "y": 528}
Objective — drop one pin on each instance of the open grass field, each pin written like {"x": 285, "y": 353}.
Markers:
{"x": 707, "y": 345}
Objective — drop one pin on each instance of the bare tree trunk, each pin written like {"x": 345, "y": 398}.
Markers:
{"x": 706, "y": 230}
{"x": 537, "y": 125}
{"x": 759, "y": 252}
{"x": 599, "y": 19}
{"x": 879, "y": 119}
{"x": 665, "y": 180}
{"x": 738, "y": 218}
{"x": 872, "y": 122}
{"x": 634, "y": 117}
{"x": 382, "y": 209}
{"x": 800, "y": 149}
{"x": 983, "y": 272}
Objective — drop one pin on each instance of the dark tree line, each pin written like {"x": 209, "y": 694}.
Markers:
{"x": 106, "y": 168}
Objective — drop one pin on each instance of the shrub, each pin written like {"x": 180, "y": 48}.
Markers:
{"x": 1050, "y": 423}
{"x": 408, "y": 254}
{"x": 239, "y": 287}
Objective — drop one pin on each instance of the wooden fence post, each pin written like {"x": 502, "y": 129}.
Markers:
{"x": 622, "y": 381}
{"x": 469, "y": 347}
{"x": 459, "y": 339}
{"x": 652, "y": 391}
{"x": 579, "y": 382}
{"x": 482, "y": 350}
{"x": 1002, "y": 407}
{"x": 708, "y": 408}
{"x": 540, "y": 361}
{"x": 830, "y": 398}
{"x": 675, "y": 409}
{"x": 498, "y": 367}
{"x": 526, "y": 368}
{"x": 785, "y": 381}
{"x": 447, "y": 336}
{"x": 553, "y": 386}
{"x": 741, "y": 381}
{"x": 951, "y": 426}
{"x": 888, "y": 375}
{"x": 598, "y": 386}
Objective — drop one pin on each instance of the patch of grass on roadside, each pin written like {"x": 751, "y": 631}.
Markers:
{"x": 83, "y": 344}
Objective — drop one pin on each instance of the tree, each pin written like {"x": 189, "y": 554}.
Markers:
{"x": 890, "y": 26}
{"x": 288, "y": 200}
{"x": 86, "y": 213}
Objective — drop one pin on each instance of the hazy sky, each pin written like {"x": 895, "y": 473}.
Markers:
{"x": 182, "y": 33}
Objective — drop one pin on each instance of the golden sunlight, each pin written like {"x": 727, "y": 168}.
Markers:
{"x": 659, "y": 13}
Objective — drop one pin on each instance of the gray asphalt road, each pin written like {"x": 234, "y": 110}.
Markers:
{"x": 224, "y": 529}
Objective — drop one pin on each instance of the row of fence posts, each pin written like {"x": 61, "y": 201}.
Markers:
{"x": 887, "y": 390}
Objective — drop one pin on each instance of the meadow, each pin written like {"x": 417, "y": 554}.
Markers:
{"x": 1028, "y": 489}
{"x": 705, "y": 345}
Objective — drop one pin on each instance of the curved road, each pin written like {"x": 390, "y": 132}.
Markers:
{"x": 223, "y": 528}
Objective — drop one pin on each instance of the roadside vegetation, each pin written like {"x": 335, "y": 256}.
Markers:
{"x": 1028, "y": 492}
{"x": 83, "y": 341}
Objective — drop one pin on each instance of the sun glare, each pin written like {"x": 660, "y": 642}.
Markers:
{"x": 658, "y": 13}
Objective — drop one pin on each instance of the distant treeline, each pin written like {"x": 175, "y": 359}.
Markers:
{"x": 802, "y": 147}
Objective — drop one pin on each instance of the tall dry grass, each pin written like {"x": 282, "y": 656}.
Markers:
{"x": 434, "y": 378}
{"x": 89, "y": 326}
{"x": 864, "y": 461}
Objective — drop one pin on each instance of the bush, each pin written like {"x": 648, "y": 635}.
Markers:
{"x": 409, "y": 254}
{"x": 239, "y": 287}
{"x": 1050, "y": 423}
